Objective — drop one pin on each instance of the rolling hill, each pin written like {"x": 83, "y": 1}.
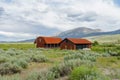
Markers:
{"x": 105, "y": 38}
{"x": 92, "y": 34}
{"x": 85, "y": 32}
{"x": 82, "y": 32}
{"x": 78, "y": 32}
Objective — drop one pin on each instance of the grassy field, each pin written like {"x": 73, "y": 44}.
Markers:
{"x": 106, "y": 38}
{"x": 25, "y": 62}
{"x": 22, "y": 46}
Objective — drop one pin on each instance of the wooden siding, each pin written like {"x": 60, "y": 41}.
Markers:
{"x": 40, "y": 43}
{"x": 47, "y": 42}
{"x": 66, "y": 44}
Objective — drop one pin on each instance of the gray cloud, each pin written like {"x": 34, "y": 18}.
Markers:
{"x": 47, "y": 17}
{"x": 83, "y": 17}
{"x": 1, "y": 11}
{"x": 18, "y": 25}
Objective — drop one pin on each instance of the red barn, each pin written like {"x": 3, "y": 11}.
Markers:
{"x": 75, "y": 43}
{"x": 47, "y": 42}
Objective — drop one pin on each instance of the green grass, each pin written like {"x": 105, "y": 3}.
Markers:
{"x": 22, "y": 46}
{"x": 103, "y": 48}
{"x": 109, "y": 62}
{"x": 25, "y": 62}
{"x": 87, "y": 73}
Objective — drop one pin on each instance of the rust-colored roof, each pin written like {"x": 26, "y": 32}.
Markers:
{"x": 79, "y": 41}
{"x": 52, "y": 40}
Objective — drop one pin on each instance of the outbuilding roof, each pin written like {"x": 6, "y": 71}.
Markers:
{"x": 51, "y": 40}
{"x": 79, "y": 41}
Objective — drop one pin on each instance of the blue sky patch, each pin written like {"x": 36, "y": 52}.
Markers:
{"x": 117, "y": 2}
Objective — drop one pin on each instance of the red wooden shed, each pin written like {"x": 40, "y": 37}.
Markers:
{"x": 47, "y": 42}
{"x": 75, "y": 43}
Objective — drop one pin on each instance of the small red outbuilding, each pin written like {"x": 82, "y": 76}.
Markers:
{"x": 75, "y": 43}
{"x": 47, "y": 42}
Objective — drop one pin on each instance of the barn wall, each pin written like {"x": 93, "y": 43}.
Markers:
{"x": 40, "y": 43}
{"x": 67, "y": 45}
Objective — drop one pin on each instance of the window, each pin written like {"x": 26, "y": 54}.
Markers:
{"x": 56, "y": 45}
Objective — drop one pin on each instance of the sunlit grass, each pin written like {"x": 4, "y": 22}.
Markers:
{"x": 108, "y": 62}
{"x": 22, "y": 46}
{"x": 55, "y": 60}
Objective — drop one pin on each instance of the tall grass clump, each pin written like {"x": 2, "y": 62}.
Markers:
{"x": 86, "y": 73}
{"x": 15, "y": 77}
{"x": 39, "y": 58}
{"x": 85, "y": 56}
{"x": 41, "y": 75}
{"x": 3, "y": 59}
{"x": 13, "y": 60}
{"x": 8, "y": 68}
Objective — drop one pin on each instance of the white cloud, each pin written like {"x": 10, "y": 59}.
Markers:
{"x": 18, "y": 35}
{"x": 50, "y": 16}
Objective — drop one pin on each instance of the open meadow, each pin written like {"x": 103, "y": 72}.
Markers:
{"x": 25, "y": 62}
{"x": 115, "y": 39}
{"x": 59, "y": 39}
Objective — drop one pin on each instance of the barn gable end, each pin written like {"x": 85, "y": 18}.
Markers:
{"x": 75, "y": 43}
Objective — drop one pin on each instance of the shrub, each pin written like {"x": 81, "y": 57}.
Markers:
{"x": 95, "y": 43}
{"x": 3, "y": 59}
{"x": 42, "y": 75}
{"x": 33, "y": 76}
{"x": 86, "y": 73}
{"x": 83, "y": 56}
{"x": 8, "y": 68}
{"x": 22, "y": 63}
{"x": 113, "y": 53}
{"x": 118, "y": 57}
{"x": 66, "y": 67}
{"x": 61, "y": 70}
{"x": 11, "y": 52}
{"x": 118, "y": 53}
{"x": 46, "y": 76}
{"x": 39, "y": 58}
{"x": 15, "y": 77}
{"x": 106, "y": 55}
{"x": 13, "y": 60}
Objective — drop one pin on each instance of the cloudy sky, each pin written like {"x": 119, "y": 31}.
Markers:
{"x": 26, "y": 19}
